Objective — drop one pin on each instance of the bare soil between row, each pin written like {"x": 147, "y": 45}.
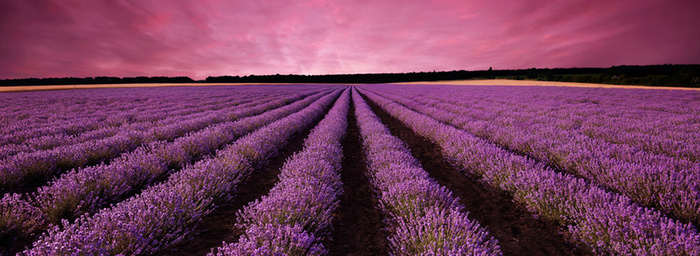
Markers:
{"x": 220, "y": 226}
{"x": 516, "y": 230}
{"x": 358, "y": 227}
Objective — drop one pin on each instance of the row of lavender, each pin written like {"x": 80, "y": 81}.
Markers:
{"x": 165, "y": 214}
{"x": 168, "y": 212}
{"x": 36, "y": 167}
{"x": 662, "y": 122}
{"x": 52, "y": 104}
{"x": 133, "y": 114}
{"x": 425, "y": 218}
{"x": 89, "y": 189}
{"x": 29, "y": 115}
{"x": 295, "y": 216}
{"x": 671, "y": 184}
{"x": 112, "y": 120}
{"x": 608, "y": 222}
{"x": 659, "y": 122}
{"x": 51, "y": 116}
{"x": 98, "y": 120}
{"x": 154, "y": 122}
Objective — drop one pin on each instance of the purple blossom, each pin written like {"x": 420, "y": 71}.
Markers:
{"x": 296, "y": 214}
{"x": 87, "y": 190}
{"x": 165, "y": 214}
{"x": 273, "y": 240}
{"x": 626, "y": 148}
{"x": 609, "y": 222}
{"x": 425, "y": 218}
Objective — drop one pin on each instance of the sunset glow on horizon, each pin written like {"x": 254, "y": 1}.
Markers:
{"x": 74, "y": 38}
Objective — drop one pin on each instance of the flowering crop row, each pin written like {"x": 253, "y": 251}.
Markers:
{"x": 101, "y": 117}
{"x": 34, "y": 118}
{"x": 426, "y": 218}
{"x": 114, "y": 121}
{"x": 89, "y": 189}
{"x": 32, "y": 115}
{"x": 608, "y": 222}
{"x": 40, "y": 165}
{"x": 165, "y": 214}
{"x": 663, "y": 122}
{"x": 295, "y": 216}
{"x": 670, "y": 184}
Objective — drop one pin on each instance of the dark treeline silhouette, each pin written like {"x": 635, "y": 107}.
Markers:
{"x": 652, "y": 75}
{"x": 394, "y": 77}
{"x": 95, "y": 80}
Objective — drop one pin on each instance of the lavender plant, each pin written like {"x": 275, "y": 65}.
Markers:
{"x": 610, "y": 223}
{"x": 41, "y": 165}
{"x": 165, "y": 214}
{"x": 425, "y": 218}
{"x": 296, "y": 214}
{"x": 90, "y": 189}
{"x": 667, "y": 183}
{"x": 115, "y": 120}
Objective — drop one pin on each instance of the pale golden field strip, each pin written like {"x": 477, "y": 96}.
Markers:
{"x": 452, "y": 82}
{"x": 548, "y": 83}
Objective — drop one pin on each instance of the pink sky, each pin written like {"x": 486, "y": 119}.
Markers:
{"x": 61, "y": 38}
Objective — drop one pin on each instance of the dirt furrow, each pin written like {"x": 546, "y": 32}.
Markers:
{"x": 220, "y": 225}
{"x": 357, "y": 223}
{"x": 517, "y": 231}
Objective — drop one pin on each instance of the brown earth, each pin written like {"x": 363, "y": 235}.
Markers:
{"x": 220, "y": 225}
{"x": 357, "y": 222}
{"x": 516, "y": 230}
{"x": 358, "y": 227}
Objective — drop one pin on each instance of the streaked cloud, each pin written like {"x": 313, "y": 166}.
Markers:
{"x": 52, "y": 38}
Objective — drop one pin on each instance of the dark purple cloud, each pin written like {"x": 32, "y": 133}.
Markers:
{"x": 58, "y": 38}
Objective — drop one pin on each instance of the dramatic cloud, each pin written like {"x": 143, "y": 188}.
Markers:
{"x": 79, "y": 38}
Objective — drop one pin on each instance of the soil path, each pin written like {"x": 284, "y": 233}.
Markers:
{"x": 517, "y": 231}
{"x": 357, "y": 223}
{"x": 563, "y": 170}
{"x": 221, "y": 224}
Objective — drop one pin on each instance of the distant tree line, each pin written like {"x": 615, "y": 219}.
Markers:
{"x": 652, "y": 75}
{"x": 386, "y": 77}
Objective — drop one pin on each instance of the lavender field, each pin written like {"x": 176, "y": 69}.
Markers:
{"x": 350, "y": 170}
